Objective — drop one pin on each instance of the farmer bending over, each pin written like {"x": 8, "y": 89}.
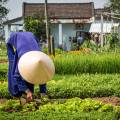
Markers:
{"x": 18, "y": 44}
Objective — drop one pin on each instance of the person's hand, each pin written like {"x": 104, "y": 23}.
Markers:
{"x": 29, "y": 96}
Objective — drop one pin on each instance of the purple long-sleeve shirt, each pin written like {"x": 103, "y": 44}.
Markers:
{"x": 22, "y": 42}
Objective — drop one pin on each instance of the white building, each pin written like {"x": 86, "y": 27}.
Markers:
{"x": 68, "y": 19}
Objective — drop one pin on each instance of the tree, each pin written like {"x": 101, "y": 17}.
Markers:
{"x": 114, "y": 5}
{"x": 3, "y": 9}
{"x": 36, "y": 25}
{"x": 3, "y": 13}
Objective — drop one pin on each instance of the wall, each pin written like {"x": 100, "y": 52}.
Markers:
{"x": 16, "y": 26}
{"x": 55, "y": 33}
{"x": 68, "y": 30}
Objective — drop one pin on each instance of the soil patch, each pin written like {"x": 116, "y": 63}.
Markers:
{"x": 106, "y": 100}
{"x": 3, "y": 61}
{"x": 109, "y": 100}
{"x": 2, "y": 101}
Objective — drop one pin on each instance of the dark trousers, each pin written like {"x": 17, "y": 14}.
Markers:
{"x": 42, "y": 88}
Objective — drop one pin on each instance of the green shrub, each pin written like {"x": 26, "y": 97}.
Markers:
{"x": 36, "y": 25}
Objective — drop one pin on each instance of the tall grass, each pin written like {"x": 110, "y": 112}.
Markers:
{"x": 95, "y": 63}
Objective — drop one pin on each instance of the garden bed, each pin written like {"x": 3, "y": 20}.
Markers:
{"x": 68, "y": 84}
{"x": 83, "y": 86}
{"x": 87, "y": 63}
{"x": 67, "y": 109}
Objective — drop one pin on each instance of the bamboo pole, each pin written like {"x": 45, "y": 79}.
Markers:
{"x": 47, "y": 27}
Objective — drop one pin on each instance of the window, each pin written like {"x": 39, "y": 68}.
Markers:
{"x": 79, "y": 26}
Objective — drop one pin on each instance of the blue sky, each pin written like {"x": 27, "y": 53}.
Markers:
{"x": 15, "y": 6}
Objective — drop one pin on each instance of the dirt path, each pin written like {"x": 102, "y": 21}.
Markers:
{"x": 3, "y": 61}
{"x": 2, "y": 101}
{"x": 111, "y": 100}
{"x": 107, "y": 100}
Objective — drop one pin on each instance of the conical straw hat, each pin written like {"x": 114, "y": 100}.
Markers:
{"x": 36, "y": 67}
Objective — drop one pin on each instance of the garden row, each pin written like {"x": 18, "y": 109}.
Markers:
{"x": 87, "y": 63}
{"x": 83, "y": 86}
{"x": 76, "y": 64}
{"x": 60, "y": 116}
{"x": 70, "y": 109}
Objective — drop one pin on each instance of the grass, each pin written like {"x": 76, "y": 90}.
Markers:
{"x": 3, "y": 71}
{"x": 3, "y": 52}
{"x": 94, "y": 63}
{"x": 59, "y": 116}
{"x": 3, "y": 67}
{"x": 77, "y": 64}
{"x": 3, "y": 62}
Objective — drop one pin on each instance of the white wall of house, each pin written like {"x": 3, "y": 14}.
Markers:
{"x": 14, "y": 26}
{"x": 68, "y": 31}
{"x": 7, "y": 30}
{"x": 107, "y": 27}
{"x": 62, "y": 31}
{"x": 11, "y": 28}
{"x": 55, "y": 33}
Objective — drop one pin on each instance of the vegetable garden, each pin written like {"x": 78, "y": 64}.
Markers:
{"x": 85, "y": 87}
